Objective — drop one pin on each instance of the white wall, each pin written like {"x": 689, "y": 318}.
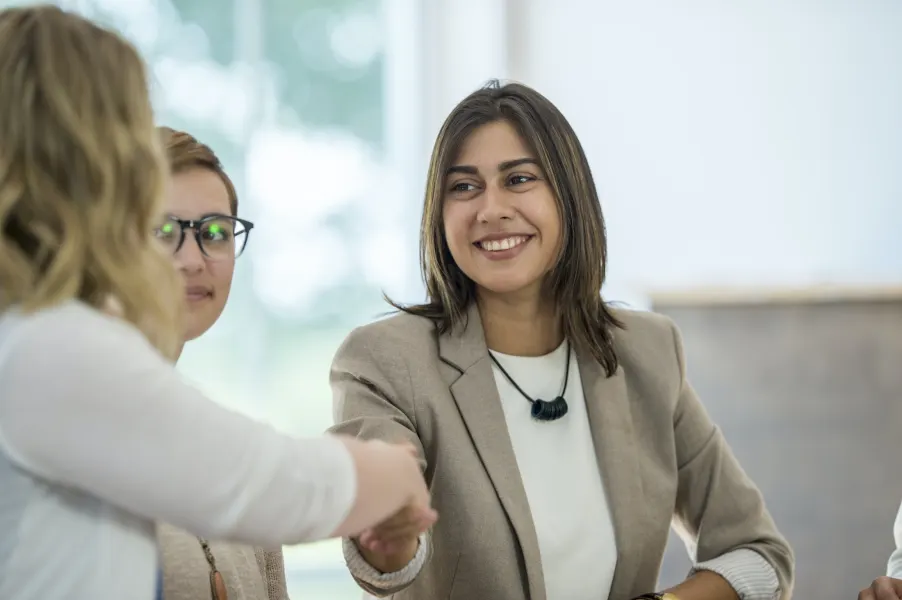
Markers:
{"x": 750, "y": 142}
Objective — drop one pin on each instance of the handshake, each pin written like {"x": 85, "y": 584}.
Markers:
{"x": 392, "y": 507}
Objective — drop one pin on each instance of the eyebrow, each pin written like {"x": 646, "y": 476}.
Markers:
{"x": 506, "y": 165}
{"x": 202, "y": 217}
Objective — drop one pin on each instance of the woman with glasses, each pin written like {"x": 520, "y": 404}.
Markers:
{"x": 203, "y": 233}
{"x": 100, "y": 438}
{"x": 201, "y": 228}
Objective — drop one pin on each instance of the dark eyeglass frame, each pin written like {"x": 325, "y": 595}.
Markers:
{"x": 197, "y": 224}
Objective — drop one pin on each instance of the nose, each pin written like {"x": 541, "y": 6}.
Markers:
{"x": 495, "y": 206}
{"x": 189, "y": 258}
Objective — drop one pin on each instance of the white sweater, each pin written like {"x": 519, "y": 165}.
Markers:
{"x": 99, "y": 437}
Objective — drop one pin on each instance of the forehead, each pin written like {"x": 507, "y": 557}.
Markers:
{"x": 491, "y": 144}
{"x": 197, "y": 191}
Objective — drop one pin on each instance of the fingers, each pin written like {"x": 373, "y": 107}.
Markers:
{"x": 404, "y": 530}
{"x": 411, "y": 449}
{"x": 399, "y": 530}
{"x": 408, "y": 522}
{"x": 886, "y": 588}
{"x": 883, "y": 588}
{"x": 412, "y": 526}
{"x": 409, "y": 514}
{"x": 391, "y": 549}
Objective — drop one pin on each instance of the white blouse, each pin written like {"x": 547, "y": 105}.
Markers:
{"x": 99, "y": 437}
{"x": 561, "y": 477}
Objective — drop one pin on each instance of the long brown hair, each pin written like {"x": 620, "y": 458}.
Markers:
{"x": 185, "y": 152}
{"x": 576, "y": 279}
{"x": 82, "y": 174}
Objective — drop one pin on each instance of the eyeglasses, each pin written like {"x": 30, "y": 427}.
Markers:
{"x": 218, "y": 236}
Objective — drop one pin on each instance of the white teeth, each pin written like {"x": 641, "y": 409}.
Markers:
{"x": 505, "y": 244}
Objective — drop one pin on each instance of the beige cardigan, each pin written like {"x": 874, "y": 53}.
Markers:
{"x": 249, "y": 573}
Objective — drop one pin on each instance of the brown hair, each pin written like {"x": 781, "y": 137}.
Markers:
{"x": 576, "y": 279}
{"x": 186, "y": 152}
{"x": 82, "y": 174}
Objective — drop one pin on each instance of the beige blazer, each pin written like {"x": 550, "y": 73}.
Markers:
{"x": 659, "y": 454}
{"x": 249, "y": 573}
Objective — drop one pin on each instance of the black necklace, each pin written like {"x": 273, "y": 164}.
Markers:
{"x": 542, "y": 410}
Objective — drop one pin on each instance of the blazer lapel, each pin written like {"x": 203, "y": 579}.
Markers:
{"x": 610, "y": 420}
{"x": 472, "y": 384}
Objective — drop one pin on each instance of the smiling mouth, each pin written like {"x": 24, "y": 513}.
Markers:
{"x": 502, "y": 244}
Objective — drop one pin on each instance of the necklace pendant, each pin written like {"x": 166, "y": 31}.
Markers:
{"x": 549, "y": 411}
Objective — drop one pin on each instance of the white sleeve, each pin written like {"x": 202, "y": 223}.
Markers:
{"x": 894, "y": 565}
{"x": 86, "y": 401}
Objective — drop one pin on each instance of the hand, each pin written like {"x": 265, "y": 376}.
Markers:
{"x": 883, "y": 588}
{"x": 393, "y": 543}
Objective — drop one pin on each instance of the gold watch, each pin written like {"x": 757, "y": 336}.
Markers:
{"x": 668, "y": 596}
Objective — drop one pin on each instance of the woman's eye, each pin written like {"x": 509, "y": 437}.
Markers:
{"x": 216, "y": 233}
{"x": 519, "y": 179}
{"x": 463, "y": 187}
{"x": 165, "y": 231}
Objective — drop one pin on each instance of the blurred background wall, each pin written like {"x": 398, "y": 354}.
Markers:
{"x": 747, "y": 156}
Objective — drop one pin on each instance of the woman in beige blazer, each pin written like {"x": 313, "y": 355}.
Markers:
{"x": 559, "y": 436}
{"x": 201, "y": 189}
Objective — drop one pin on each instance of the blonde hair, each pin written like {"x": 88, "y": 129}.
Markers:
{"x": 82, "y": 174}
{"x": 185, "y": 152}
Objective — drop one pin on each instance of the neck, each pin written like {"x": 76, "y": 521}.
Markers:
{"x": 520, "y": 326}
{"x": 178, "y": 353}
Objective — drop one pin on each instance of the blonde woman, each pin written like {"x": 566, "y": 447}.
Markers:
{"x": 99, "y": 437}
{"x": 205, "y": 236}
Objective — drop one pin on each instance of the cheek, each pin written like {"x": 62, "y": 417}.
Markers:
{"x": 549, "y": 223}
{"x": 456, "y": 231}
{"x": 221, "y": 274}
{"x": 555, "y": 227}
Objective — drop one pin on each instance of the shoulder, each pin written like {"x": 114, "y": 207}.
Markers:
{"x": 72, "y": 340}
{"x": 398, "y": 334}
{"x": 385, "y": 354}
{"x": 643, "y": 328}
{"x": 69, "y": 322}
{"x": 648, "y": 345}
{"x": 71, "y": 312}
{"x": 63, "y": 338}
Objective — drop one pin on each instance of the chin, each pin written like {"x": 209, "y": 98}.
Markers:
{"x": 196, "y": 329}
{"x": 191, "y": 334}
{"x": 505, "y": 286}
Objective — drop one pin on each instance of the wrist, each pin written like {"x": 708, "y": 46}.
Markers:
{"x": 392, "y": 562}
